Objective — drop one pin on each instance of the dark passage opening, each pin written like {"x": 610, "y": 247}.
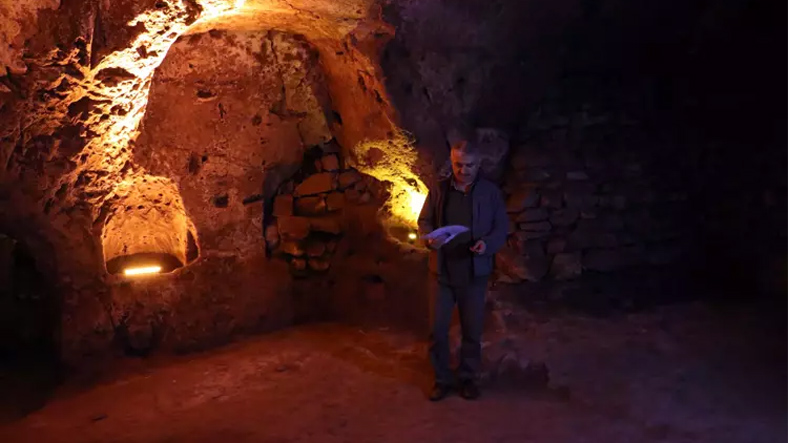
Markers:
{"x": 29, "y": 324}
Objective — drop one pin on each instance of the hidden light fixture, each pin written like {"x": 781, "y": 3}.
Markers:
{"x": 416, "y": 200}
{"x": 142, "y": 270}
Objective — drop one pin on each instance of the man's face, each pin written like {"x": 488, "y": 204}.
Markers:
{"x": 465, "y": 166}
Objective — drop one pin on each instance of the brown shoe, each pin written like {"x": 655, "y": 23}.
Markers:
{"x": 439, "y": 392}
{"x": 469, "y": 390}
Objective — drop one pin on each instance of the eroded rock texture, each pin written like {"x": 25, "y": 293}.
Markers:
{"x": 230, "y": 117}
{"x": 230, "y": 133}
{"x": 274, "y": 154}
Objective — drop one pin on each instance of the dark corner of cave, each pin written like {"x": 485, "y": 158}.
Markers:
{"x": 393, "y": 220}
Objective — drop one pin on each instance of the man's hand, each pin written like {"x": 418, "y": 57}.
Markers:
{"x": 435, "y": 243}
{"x": 480, "y": 247}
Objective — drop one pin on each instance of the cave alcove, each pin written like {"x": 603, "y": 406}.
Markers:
{"x": 147, "y": 230}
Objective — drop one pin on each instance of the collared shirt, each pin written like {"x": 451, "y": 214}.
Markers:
{"x": 490, "y": 223}
{"x": 458, "y": 258}
{"x": 464, "y": 189}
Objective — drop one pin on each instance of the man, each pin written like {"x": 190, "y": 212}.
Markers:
{"x": 462, "y": 266}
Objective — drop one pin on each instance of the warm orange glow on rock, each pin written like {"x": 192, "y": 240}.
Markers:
{"x": 416, "y": 202}
{"x": 146, "y": 216}
{"x": 314, "y": 19}
{"x": 213, "y": 9}
{"x": 72, "y": 146}
{"x": 123, "y": 77}
{"x": 95, "y": 117}
{"x": 143, "y": 213}
{"x": 394, "y": 161}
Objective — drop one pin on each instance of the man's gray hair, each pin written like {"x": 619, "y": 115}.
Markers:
{"x": 466, "y": 146}
{"x": 463, "y": 138}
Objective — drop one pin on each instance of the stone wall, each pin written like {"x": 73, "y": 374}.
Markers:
{"x": 308, "y": 213}
{"x": 325, "y": 224}
{"x": 656, "y": 153}
{"x": 581, "y": 199}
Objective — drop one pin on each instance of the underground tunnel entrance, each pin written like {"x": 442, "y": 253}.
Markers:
{"x": 29, "y": 331}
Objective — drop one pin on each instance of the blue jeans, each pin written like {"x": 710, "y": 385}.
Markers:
{"x": 470, "y": 303}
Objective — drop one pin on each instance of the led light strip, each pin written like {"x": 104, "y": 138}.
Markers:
{"x": 143, "y": 270}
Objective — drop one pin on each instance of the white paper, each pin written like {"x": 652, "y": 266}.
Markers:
{"x": 446, "y": 233}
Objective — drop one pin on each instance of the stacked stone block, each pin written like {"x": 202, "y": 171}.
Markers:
{"x": 309, "y": 214}
{"x": 582, "y": 198}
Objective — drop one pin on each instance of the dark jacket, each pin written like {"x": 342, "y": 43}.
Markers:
{"x": 490, "y": 222}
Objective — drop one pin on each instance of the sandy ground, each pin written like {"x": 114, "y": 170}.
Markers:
{"x": 688, "y": 373}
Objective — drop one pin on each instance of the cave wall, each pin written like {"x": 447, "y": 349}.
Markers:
{"x": 592, "y": 219}
{"x": 66, "y": 122}
{"x": 230, "y": 117}
{"x": 73, "y": 174}
{"x": 625, "y": 149}
{"x": 460, "y": 64}
{"x": 16, "y": 18}
{"x": 346, "y": 264}
{"x": 628, "y": 127}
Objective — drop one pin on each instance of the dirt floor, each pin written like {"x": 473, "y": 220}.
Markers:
{"x": 686, "y": 373}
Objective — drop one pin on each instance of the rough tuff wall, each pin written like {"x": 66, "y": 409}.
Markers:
{"x": 66, "y": 126}
{"x": 64, "y": 182}
{"x": 229, "y": 117}
{"x": 70, "y": 171}
{"x": 16, "y": 14}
